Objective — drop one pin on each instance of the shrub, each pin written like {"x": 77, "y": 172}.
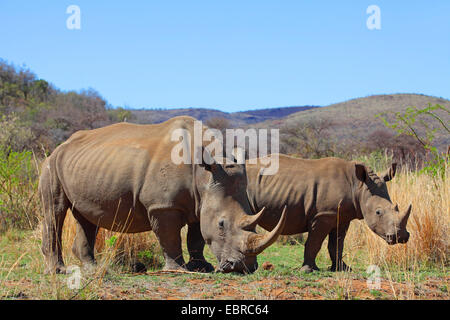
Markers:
{"x": 14, "y": 136}
{"x": 119, "y": 114}
{"x": 422, "y": 124}
{"x": 377, "y": 160}
{"x": 18, "y": 190}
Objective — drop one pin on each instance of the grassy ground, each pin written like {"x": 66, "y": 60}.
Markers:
{"x": 21, "y": 277}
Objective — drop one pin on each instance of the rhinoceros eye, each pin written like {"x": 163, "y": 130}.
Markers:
{"x": 379, "y": 212}
{"x": 221, "y": 224}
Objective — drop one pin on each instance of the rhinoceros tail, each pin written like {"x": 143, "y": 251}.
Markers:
{"x": 54, "y": 205}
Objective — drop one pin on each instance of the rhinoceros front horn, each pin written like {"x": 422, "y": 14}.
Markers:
{"x": 404, "y": 218}
{"x": 256, "y": 243}
{"x": 249, "y": 222}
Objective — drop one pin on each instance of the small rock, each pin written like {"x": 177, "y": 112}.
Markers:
{"x": 268, "y": 266}
{"x": 20, "y": 295}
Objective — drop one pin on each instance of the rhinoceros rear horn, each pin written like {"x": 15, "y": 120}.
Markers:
{"x": 390, "y": 173}
{"x": 256, "y": 243}
{"x": 404, "y": 218}
{"x": 249, "y": 222}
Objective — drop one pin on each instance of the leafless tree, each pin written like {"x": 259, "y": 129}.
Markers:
{"x": 219, "y": 123}
{"x": 404, "y": 148}
{"x": 310, "y": 139}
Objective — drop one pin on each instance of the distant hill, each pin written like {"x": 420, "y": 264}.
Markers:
{"x": 355, "y": 119}
{"x": 242, "y": 118}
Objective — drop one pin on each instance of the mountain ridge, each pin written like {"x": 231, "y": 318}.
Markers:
{"x": 239, "y": 118}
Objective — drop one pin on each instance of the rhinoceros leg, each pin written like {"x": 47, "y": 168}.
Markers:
{"x": 84, "y": 243}
{"x": 55, "y": 205}
{"x": 336, "y": 247}
{"x": 167, "y": 227}
{"x": 195, "y": 245}
{"x": 317, "y": 232}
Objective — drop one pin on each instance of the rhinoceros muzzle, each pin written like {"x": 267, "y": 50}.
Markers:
{"x": 236, "y": 266}
{"x": 402, "y": 235}
{"x": 392, "y": 239}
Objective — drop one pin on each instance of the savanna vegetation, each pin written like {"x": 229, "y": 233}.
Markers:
{"x": 35, "y": 117}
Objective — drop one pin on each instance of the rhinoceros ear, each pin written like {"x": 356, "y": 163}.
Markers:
{"x": 361, "y": 172}
{"x": 208, "y": 161}
{"x": 209, "y": 167}
{"x": 390, "y": 173}
{"x": 239, "y": 155}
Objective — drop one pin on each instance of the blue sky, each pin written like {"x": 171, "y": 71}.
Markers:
{"x": 232, "y": 55}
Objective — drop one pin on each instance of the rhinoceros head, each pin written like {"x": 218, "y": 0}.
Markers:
{"x": 226, "y": 220}
{"x": 380, "y": 214}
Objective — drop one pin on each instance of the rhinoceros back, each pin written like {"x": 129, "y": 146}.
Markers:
{"x": 305, "y": 186}
{"x": 124, "y": 172}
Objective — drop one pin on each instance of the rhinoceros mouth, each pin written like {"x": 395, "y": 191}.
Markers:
{"x": 392, "y": 239}
{"x": 236, "y": 266}
{"x": 226, "y": 266}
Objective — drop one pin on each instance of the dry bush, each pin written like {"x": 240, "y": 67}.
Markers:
{"x": 310, "y": 139}
{"x": 219, "y": 123}
{"x": 404, "y": 149}
{"x": 292, "y": 240}
{"x": 14, "y": 135}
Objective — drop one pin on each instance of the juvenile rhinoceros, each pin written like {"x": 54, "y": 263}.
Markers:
{"x": 122, "y": 178}
{"x": 314, "y": 191}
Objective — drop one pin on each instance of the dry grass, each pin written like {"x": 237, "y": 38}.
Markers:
{"x": 123, "y": 249}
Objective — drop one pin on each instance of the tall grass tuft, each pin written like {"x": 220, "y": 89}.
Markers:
{"x": 123, "y": 250}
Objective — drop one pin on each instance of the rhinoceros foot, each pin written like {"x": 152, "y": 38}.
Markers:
{"x": 199, "y": 266}
{"x": 58, "y": 269}
{"x": 340, "y": 267}
{"x": 308, "y": 269}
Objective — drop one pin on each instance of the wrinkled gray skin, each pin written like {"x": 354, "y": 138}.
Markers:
{"x": 121, "y": 177}
{"x": 313, "y": 190}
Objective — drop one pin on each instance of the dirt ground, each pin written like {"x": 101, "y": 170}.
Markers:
{"x": 181, "y": 287}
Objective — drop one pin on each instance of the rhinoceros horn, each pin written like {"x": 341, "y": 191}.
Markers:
{"x": 404, "y": 217}
{"x": 249, "y": 222}
{"x": 256, "y": 243}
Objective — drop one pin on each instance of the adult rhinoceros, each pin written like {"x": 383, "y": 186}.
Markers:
{"x": 314, "y": 191}
{"x": 122, "y": 178}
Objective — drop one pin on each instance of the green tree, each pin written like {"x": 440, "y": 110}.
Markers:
{"x": 422, "y": 124}
{"x": 119, "y": 114}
